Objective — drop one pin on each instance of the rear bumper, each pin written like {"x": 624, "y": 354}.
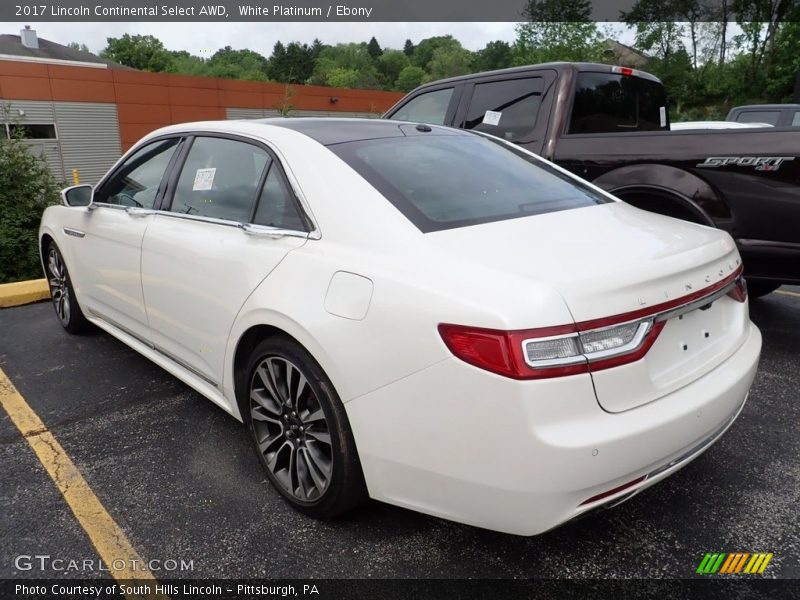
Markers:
{"x": 523, "y": 456}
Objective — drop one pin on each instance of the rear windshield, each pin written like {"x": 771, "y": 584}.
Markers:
{"x": 607, "y": 102}
{"x": 443, "y": 182}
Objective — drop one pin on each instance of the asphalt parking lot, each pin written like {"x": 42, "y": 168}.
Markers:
{"x": 178, "y": 475}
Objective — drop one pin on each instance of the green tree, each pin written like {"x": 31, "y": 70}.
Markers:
{"x": 143, "y": 52}
{"x": 334, "y": 61}
{"x": 390, "y": 64}
{"x": 423, "y": 53}
{"x": 450, "y": 61}
{"x": 410, "y": 77}
{"x": 374, "y": 48}
{"x": 408, "y": 48}
{"x": 79, "y": 47}
{"x": 495, "y": 55}
{"x": 557, "y": 30}
{"x": 238, "y": 64}
{"x": 26, "y": 188}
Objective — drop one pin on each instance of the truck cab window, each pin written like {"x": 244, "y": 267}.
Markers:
{"x": 507, "y": 108}
{"x": 430, "y": 107}
{"x": 609, "y": 103}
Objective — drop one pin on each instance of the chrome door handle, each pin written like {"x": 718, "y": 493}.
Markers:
{"x": 136, "y": 211}
{"x": 263, "y": 231}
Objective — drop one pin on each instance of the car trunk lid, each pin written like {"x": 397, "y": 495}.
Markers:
{"x": 614, "y": 260}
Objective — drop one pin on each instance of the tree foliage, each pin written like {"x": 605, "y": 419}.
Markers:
{"x": 26, "y": 189}
{"x": 143, "y": 52}
{"x": 558, "y": 30}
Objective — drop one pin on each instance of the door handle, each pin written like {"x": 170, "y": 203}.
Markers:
{"x": 136, "y": 211}
{"x": 263, "y": 231}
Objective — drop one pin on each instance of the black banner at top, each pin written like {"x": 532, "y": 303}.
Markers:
{"x": 277, "y": 11}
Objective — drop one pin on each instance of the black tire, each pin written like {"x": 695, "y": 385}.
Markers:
{"x": 62, "y": 294}
{"x": 756, "y": 289}
{"x": 289, "y": 423}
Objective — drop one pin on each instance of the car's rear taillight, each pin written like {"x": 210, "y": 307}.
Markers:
{"x": 739, "y": 291}
{"x": 551, "y": 351}
{"x": 580, "y": 347}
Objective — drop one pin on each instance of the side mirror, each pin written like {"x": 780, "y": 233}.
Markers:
{"x": 78, "y": 195}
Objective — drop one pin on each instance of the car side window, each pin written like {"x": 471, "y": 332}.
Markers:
{"x": 507, "y": 108}
{"x": 796, "y": 119}
{"x": 219, "y": 179}
{"x": 430, "y": 107}
{"x": 136, "y": 181}
{"x": 277, "y": 206}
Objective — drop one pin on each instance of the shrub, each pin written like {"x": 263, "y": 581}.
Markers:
{"x": 26, "y": 188}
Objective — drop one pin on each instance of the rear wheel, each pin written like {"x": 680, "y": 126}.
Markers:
{"x": 756, "y": 289}
{"x": 300, "y": 431}
{"x": 62, "y": 293}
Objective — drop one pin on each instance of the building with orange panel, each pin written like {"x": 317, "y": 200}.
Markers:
{"x": 81, "y": 112}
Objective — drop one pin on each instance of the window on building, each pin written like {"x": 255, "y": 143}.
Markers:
{"x": 31, "y": 131}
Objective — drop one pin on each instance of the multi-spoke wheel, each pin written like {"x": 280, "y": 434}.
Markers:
{"x": 300, "y": 430}
{"x": 62, "y": 293}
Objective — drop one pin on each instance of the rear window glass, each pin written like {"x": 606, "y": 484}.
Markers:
{"x": 770, "y": 117}
{"x": 443, "y": 182}
{"x": 607, "y": 102}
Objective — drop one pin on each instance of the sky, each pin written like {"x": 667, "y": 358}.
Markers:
{"x": 203, "y": 39}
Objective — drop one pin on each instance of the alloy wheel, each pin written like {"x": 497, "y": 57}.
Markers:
{"x": 291, "y": 429}
{"x": 59, "y": 285}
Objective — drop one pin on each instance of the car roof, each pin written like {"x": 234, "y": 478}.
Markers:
{"x": 333, "y": 130}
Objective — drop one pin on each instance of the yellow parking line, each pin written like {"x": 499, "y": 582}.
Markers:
{"x": 788, "y": 293}
{"x": 107, "y": 537}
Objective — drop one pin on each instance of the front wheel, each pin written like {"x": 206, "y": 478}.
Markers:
{"x": 62, "y": 293}
{"x": 300, "y": 431}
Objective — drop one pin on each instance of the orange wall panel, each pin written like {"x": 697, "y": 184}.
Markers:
{"x": 129, "y": 93}
{"x": 22, "y": 69}
{"x": 79, "y": 73}
{"x": 130, "y": 133}
{"x": 24, "y": 88}
{"x": 70, "y": 90}
{"x": 139, "y": 77}
{"x": 143, "y": 113}
{"x": 187, "y": 96}
{"x": 228, "y": 98}
{"x": 184, "y": 114}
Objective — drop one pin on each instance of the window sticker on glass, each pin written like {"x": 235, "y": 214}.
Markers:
{"x": 204, "y": 179}
{"x": 492, "y": 117}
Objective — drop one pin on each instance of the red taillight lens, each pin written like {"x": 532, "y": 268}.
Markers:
{"x": 501, "y": 351}
{"x": 739, "y": 291}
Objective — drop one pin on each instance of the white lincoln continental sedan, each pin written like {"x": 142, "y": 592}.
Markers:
{"x": 430, "y": 317}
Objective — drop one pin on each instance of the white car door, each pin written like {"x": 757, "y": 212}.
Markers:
{"x": 107, "y": 256}
{"x": 229, "y": 218}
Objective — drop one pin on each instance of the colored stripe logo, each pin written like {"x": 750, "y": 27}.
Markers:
{"x": 734, "y": 562}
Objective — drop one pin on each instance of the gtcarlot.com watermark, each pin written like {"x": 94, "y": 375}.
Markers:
{"x": 49, "y": 564}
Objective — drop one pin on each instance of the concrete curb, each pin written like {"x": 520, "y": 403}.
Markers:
{"x": 23, "y": 292}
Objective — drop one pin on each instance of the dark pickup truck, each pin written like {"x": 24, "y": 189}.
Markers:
{"x": 610, "y": 125}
